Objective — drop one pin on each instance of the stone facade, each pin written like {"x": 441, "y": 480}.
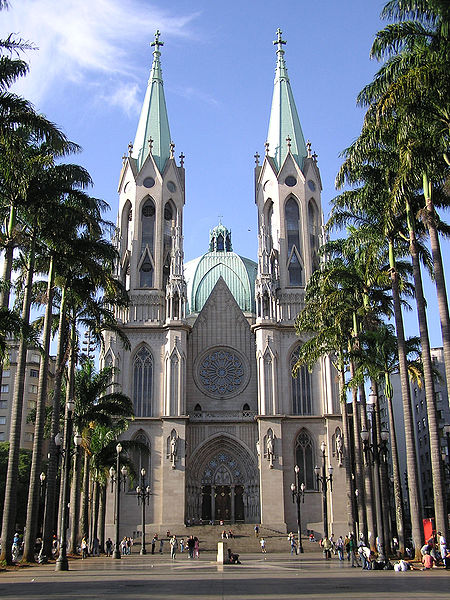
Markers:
{"x": 215, "y": 402}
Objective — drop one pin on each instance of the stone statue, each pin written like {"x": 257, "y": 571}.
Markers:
{"x": 173, "y": 448}
{"x": 339, "y": 448}
{"x": 269, "y": 443}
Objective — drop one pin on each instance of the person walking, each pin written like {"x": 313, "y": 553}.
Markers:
{"x": 326, "y": 545}
{"x": 196, "y": 547}
{"x": 108, "y": 547}
{"x": 340, "y": 547}
{"x": 191, "y": 546}
{"x": 154, "y": 540}
{"x": 256, "y": 530}
{"x": 173, "y": 547}
{"x": 352, "y": 550}
{"x": 262, "y": 543}
{"x": 161, "y": 546}
{"x": 84, "y": 547}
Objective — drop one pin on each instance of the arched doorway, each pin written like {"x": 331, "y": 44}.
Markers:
{"x": 222, "y": 483}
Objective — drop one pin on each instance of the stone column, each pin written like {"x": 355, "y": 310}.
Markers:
{"x": 213, "y": 502}
{"x": 232, "y": 503}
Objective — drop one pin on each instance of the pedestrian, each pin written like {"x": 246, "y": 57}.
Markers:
{"x": 427, "y": 560}
{"x": 352, "y": 550}
{"x": 326, "y": 545}
{"x": 442, "y": 546}
{"x": 95, "y": 547}
{"x": 108, "y": 547}
{"x": 262, "y": 542}
{"x": 161, "y": 546}
{"x": 256, "y": 529}
{"x": 191, "y": 546}
{"x": 293, "y": 545}
{"x": 173, "y": 547}
{"x": 196, "y": 547}
{"x": 154, "y": 540}
{"x": 84, "y": 548}
{"x": 340, "y": 547}
{"x": 182, "y": 545}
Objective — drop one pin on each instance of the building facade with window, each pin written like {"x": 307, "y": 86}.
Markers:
{"x": 30, "y": 392}
{"x": 213, "y": 341}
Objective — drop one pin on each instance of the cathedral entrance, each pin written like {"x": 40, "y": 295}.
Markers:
{"x": 222, "y": 484}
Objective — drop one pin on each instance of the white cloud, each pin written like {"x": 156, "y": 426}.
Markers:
{"x": 79, "y": 40}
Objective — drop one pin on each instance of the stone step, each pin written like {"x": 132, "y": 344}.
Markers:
{"x": 243, "y": 541}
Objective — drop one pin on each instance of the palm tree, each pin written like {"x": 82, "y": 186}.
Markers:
{"x": 97, "y": 403}
{"x": 414, "y": 85}
{"x": 68, "y": 217}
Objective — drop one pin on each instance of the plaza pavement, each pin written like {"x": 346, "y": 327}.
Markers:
{"x": 262, "y": 577}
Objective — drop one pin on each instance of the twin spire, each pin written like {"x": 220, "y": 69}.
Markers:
{"x": 285, "y": 132}
{"x": 153, "y": 133}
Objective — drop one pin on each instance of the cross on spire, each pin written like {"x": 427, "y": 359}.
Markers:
{"x": 172, "y": 149}
{"x": 157, "y": 43}
{"x": 288, "y": 141}
{"x": 279, "y": 41}
{"x": 130, "y": 148}
{"x": 182, "y": 157}
{"x": 257, "y": 159}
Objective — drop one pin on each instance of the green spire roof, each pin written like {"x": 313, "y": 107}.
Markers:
{"x": 284, "y": 122}
{"x": 153, "y": 122}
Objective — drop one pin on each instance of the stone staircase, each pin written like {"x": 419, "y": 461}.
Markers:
{"x": 243, "y": 541}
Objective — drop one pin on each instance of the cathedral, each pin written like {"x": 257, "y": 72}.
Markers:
{"x": 220, "y": 420}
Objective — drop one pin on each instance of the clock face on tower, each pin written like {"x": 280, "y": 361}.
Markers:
{"x": 221, "y": 373}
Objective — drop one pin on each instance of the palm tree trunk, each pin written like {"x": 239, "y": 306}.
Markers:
{"x": 12, "y": 475}
{"x": 439, "y": 496}
{"x": 102, "y": 517}
{"x": 75, "y": 504}
{"x": 347, "y": 448}
{"x": 398, "y": 496}
{"x": 415, "y": 506}
{"x": 84, "y": 522}
{"x": 368, "y": 481}
{"x": 359, "y": 479}
{"x": 36, "y": 462}
{"x": 49, "y": 528}
{"x": 95, "y": 509}
{"x": 8, "y": 259}
{"x": 439, "y": 276}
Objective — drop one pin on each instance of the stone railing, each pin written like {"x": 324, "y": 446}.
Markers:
{"x": 223, "y": 415}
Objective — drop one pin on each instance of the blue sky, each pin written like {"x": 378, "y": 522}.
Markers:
{"x": 91, "y": 67}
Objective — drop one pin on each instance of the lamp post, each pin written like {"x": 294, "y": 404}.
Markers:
{"x": 298, "y": 495}
{"x": 117, "y": 476}
{"x": 374, "y": 451}
{"x": 324, "y": 479}
{"x": 62, "y": 564}
{"x": 143, "y": 496}
{"x": 356, "y": 512}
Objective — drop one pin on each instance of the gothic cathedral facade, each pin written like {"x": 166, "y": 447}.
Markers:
{"x": 220, "y": 420}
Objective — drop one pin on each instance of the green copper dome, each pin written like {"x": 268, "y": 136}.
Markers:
{"x": 239, "y": 273}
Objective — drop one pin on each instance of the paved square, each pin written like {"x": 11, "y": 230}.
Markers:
{"x": 272, "y": 576}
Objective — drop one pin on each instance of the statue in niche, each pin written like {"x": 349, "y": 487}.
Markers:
{"x": 339, "y": 448}
{"x": 173, "y": 448}
{"x": 270, "y": 447}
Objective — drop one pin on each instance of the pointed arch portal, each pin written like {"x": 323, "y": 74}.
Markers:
{"x": 222, "y": 483}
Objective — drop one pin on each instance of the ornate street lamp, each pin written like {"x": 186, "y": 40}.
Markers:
{"x": 62, "y": 564}
{"x": 324, "y": 479}
{"x": 117, "y": 477}
{"x": 42, "y": 478}
{"x": 375, "y": 451}
{"x": 298, "y": 495}
{"x": 143, "y": 494}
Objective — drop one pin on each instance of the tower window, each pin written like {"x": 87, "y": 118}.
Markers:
{"x": 146, "y": 273}
{"x": 148, "y": 225}
{"x": 292, "y": 219}
{"x": 301, "y": 389}
{"x": 304, "y": 459}
{"x": 143, "y": 383}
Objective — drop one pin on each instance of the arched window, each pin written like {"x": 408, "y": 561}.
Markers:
{"x": 301, "y": 388}
{"x": 220, "y": 243}
{"x": 313, "y": 233}
{"x": 143, "y": 383}
{"x": 245, "y": 407}
{"x": 148, "y": 225}
{"x": 140, "y": 456}
{"x": 304, "y": 459}
{"x": 198, "y": 408}
{"x": 292, "y": 218}
{"x": 126, "y": 227}
{"x": 169, "y": 222}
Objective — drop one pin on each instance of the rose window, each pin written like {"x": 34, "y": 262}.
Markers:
{"x": 221, "y": 373}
